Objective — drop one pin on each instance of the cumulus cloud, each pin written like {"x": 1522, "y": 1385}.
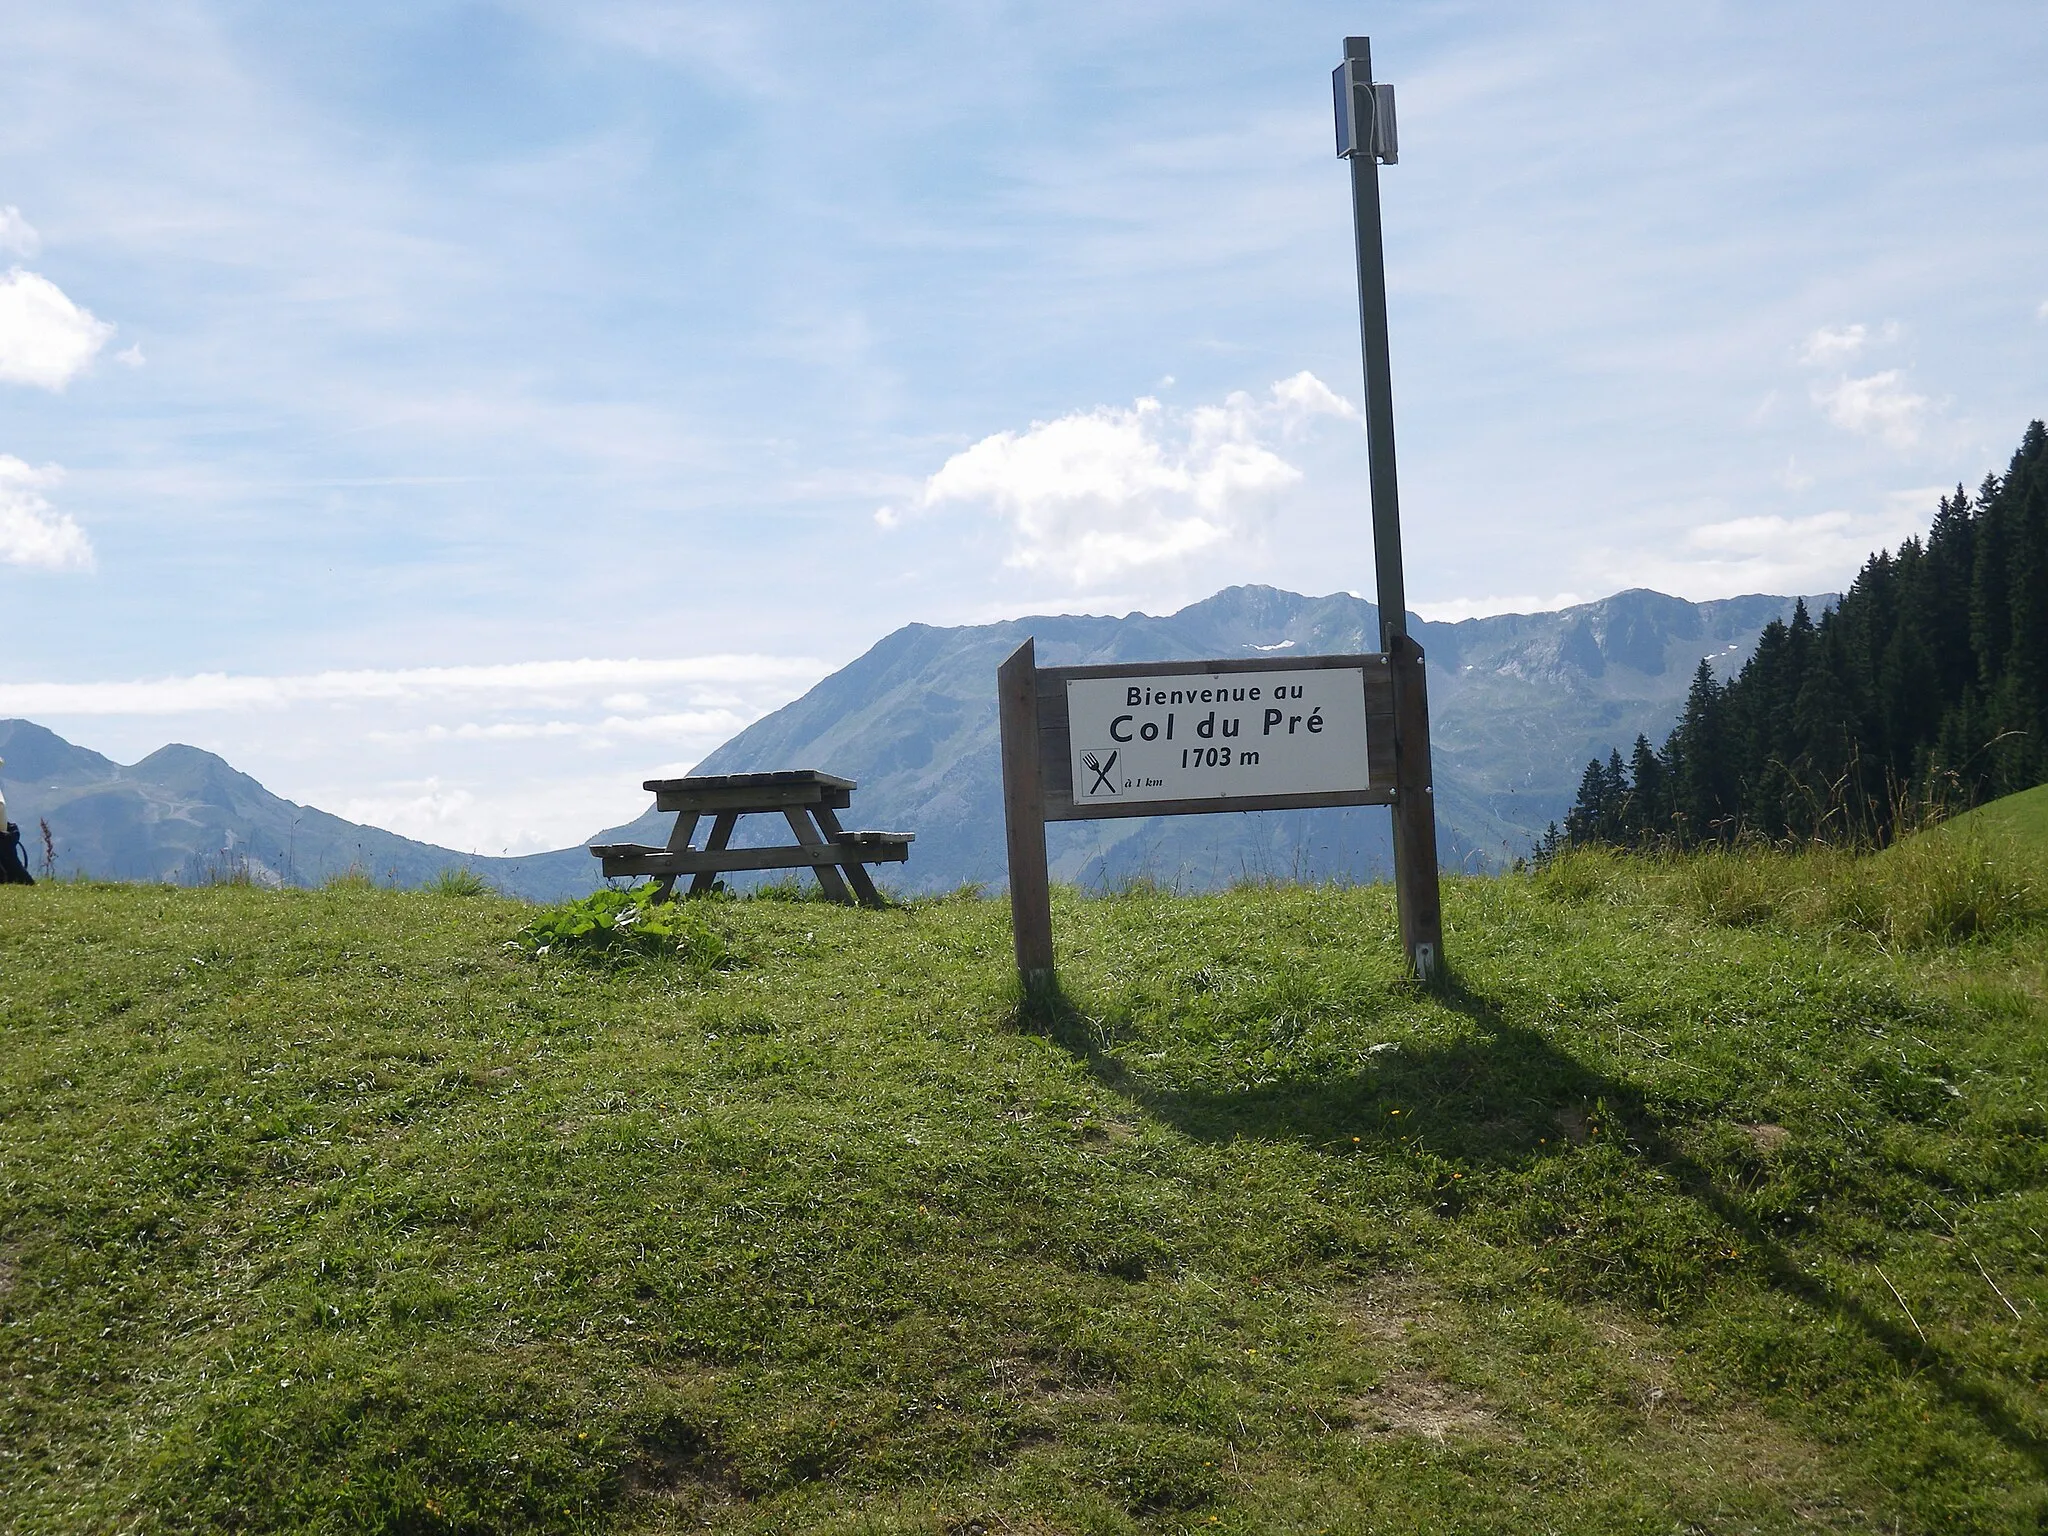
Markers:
{"x": 1094, "y": 494}
{"x": 1880, "y": 405}
{"x": 45, "y": 339}
{"x": 17, "y": 235}
{"x": 31, "y": 531}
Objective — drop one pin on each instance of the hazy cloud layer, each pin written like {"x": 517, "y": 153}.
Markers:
{"x": 516, "y": 757}
{"x": 17, "y": 236}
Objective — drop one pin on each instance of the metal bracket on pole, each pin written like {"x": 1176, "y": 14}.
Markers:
{"x": 1366, "y": 138}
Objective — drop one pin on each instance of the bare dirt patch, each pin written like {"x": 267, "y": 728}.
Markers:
{"x": 1766, "y": 1138}
{"x": 678, "y": 1468}
{"x": 1412, "y": 1403}
{"x": 1047, "y": 1393}
{"x": 1389, "y": 1309}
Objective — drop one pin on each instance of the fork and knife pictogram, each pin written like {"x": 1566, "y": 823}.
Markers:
{"x": 1100, "y": 767}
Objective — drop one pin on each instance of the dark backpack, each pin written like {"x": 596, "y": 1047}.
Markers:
{"x": 12, "y": 870}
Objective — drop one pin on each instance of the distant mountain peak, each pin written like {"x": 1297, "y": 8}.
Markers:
{"x": 1519, "y": 702}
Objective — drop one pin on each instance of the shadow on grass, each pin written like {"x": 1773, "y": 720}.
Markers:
{"x": 1499, "y": 1097}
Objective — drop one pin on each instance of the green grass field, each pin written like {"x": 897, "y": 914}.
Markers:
{"x": 2021, "y": 819}
{"x": 1710, "y": 1197}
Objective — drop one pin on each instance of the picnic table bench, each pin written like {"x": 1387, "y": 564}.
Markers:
{"x": 809, "y": 800}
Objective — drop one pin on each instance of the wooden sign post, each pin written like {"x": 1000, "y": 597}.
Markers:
{"x": 1175, "y": 738}
{"x": 1182, "y": 738}
{"x": 1367, "y": 138}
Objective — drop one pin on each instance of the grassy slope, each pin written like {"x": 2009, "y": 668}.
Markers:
{"x": 2022, "y": 817}
{"x": 319, "y": 1210}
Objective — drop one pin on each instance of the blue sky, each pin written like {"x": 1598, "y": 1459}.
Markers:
{"x": 453, "y": 413}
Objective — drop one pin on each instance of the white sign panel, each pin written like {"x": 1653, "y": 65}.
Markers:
{"x": 1215, "y": 736}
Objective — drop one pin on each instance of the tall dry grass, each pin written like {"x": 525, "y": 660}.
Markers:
{"x": 1939, "y": 888}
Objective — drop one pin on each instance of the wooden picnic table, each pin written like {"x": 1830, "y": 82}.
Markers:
{"x": 809, "y": 800}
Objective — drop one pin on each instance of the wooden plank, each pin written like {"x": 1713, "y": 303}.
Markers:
{"x": 679, "y": 837}
{"x": 752, "y": 780}
{"x": 856, "y": 872}
{"x": 765, "y": 797}
{"x": 1017, "y": 695}
{"x": 1066, "y": 809}
{"x": 1416, "y": 896}
{"x": 810, "y": 837}
{"x": 854, "y": 840}
{"x": 1053, "y": 679}
{"x": 721, "y": 834}
{"x": 1379, "y": 722}
{"x": 704, "y": 862}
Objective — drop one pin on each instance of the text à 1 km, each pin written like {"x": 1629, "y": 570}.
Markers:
{"x": 1224, "y": 735}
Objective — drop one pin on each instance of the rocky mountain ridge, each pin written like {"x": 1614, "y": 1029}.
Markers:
{"x": 1518, "y": 703}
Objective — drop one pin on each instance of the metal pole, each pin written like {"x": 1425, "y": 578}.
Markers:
{"x": 1379, "y": 374}
{"x": 1415, "y": 866}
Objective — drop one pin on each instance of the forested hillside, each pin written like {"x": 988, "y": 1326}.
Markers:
{"x": 1927, "y": 685}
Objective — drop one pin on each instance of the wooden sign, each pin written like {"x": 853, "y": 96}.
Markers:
{"x": 1171, "y": 738}
{"x": 1157, "y": 739}
{"x": 1194, "y": 737}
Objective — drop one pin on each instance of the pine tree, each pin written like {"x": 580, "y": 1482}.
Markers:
{"x": 1928, "y": 680}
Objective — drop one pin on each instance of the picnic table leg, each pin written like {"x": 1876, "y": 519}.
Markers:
{"x": 721, "y": 834}
{"x": 678, "y": 840}
{"x": 856, "y": 872}
{"x": 807, "y": 834}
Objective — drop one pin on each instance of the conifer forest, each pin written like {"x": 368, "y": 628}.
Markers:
{"x": 1924, "y": 690}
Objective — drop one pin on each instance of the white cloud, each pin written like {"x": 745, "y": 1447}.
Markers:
{"x": 527, "y": 683}
{"x": 2042, "y": 312}
{"x": 1834, "y": 344}
{"x": 1877, "y": 406}
{"x": 31, "y": 532}
{"x": 432, "y": 812}
{"x": 45, "y": 339}
{"x": 1092, "y": 495}
{"x": 131, "y": 357}
{"x": 17, "y": 235}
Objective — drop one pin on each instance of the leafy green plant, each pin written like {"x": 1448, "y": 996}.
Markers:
{"x": 615, "y": 925}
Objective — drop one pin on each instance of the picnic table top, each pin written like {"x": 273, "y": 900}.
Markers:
{"x": 729, "y": 781}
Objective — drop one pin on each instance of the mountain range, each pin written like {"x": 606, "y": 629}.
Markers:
{"x": 1518, "y": 703}
{"x": 187, "y": 816}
